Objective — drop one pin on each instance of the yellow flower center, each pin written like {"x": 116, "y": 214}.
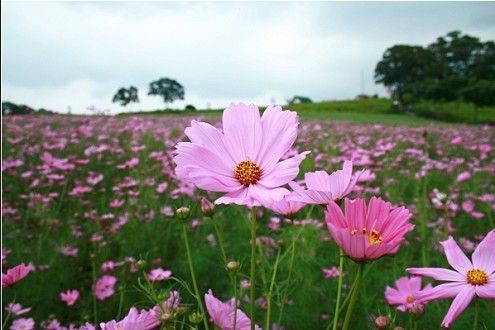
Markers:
{"x": 477, "y": 277}
{"x": 409, "y": 299}
{"x": 375, "y": 237}
{"x": 247, "y": 172}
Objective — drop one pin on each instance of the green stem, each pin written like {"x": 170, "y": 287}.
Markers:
{"x": 270, "y": 292}
{"x": 193, "y": 275}
{"x": 252, "y": 276}
{"x": 234, "y": 284}
{"x": 220, "y": 242}
{"x": 355, "y": 291}
{"x": 339, "y": 290}
{"x": 95, "y": 307}
{"x": 476, "y": 313}
{"x": 289, "y": 274}
{"x": 5, "y": 321}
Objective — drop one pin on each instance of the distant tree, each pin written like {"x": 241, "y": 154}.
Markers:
{"x": 9, "y": 108}
{"x": 190, "y": 107}
{"x": 481, "y": 93}
{"x": 169, "y": 89}
{"x": 402, "y": 67}
{"x": 300, "y": 99}
{"x": 124, "y": 96}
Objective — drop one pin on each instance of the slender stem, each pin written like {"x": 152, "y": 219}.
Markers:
{"x": 339, "y": 290}
{"x": 193, "y": 275}
{"x": 95, "y": 307}
{"x": 234, "y": 284}
{"x": 270, "y": 292}
{"x": 476, "y": 313}
{"x": 5, "y": 321}
{"x": 355, "y": 291}
{"x": 252, "y": 278}
{"x": 289, "y": 274}
{"x": 121, "y": 304}
{"x": 220, "y": 242}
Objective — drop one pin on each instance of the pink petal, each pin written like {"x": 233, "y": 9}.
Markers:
{"x": 311, "y": 196}
{"x": 459, "y": 304}
{"x": 318, "y": 180}
{"x": 442, "y": 291}
{"x": 440, "y": 274}
{"x": 393, "y": 296}
{"x": 242, "y": 130}
{"x": 279, "y": 133}
{"x": 283, "y": 172}
{"x": 456, "y": 258}
{"x": 334, "y": 215}
{"x": 266, "y": 196}
{"x": 484, "y": 255}
{"x": 486, "y": 291}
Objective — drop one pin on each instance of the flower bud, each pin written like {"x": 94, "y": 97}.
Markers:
{"x": 417, "y": 309}
{"x": 207, "y": 207}
{"x": 233, "y": 266}
{"x": 140, "y": 264}
{"x": 382, "y": 322}
{"x": 183, "y": 212}
{"x": 195, "y": 317}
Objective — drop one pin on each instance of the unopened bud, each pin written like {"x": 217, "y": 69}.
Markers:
{"x": 207, "y": 207}
{"x": 233, "y": 266}
{"x": 195, "y": 317}
{"x": 382, "y": 322}
{"x": 140, "y": 264}
{"x": 183, "y": 212}
{"x": 417, "y": 309}
{"x": 166, "y": 316}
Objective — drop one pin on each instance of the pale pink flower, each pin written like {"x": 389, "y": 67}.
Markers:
{"x": 222, "y": 314}
{"x": 159, "y": 274}
{"x": 69, "y": 251}
{"x": 243, "y": 161}
{"x": 287, "y": 206}
{"x": 22, "y": 324}
{"x": 15, "y": 274}
{"x": 69, "y": 297}
{"x": 406, "y": 295}
{"x": 322, "y": 188}
{"x": 467, "y": 280}
{"x": 116, "y": 203}
{"x": 135, "y": 320}
{"x": 207, "y": 207}
{"x": 368, "y": 233}
{"x": 104, "y": 287}
{"x": 331, "y": 272}
{"x": 463, "y": 176}
{"x": 162, "y": 187}
{"x": 16, "y": 309}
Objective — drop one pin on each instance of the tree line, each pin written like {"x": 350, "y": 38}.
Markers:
{"x": 169, "y": 89}
{"x": 455, "y": 67}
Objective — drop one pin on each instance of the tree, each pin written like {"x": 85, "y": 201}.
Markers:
{"x": 481, "y": 93}
{"x": 167, "y": 88}
{"x": 125, "y": 96}
{"x": 403, "y": 67}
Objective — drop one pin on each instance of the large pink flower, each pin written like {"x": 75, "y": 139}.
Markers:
{"x": 323, "y": 188}
{"x": 222, "y": 314}
{"x": 406, "y": 295}
{"x": 135, "y": 320}
{"x": 245, "y": 160}
{"x": 104, "y": 287}
{"x": 476, "y": 278}
{"x": 15, "y": 274}
{"x": 367, "y": 233}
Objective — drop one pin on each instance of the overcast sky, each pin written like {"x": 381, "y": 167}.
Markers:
{"x": 56, "y": 55}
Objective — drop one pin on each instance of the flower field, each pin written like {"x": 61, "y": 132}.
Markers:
{"x": 114, "y": 224}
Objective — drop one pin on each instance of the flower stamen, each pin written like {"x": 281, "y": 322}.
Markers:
{"x": 375, "y": 237}
{"x": 477, "y": 277}
{"x": 247, "y": 173}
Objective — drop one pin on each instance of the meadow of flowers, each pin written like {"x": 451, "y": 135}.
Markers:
{"x": 249, "y": 221}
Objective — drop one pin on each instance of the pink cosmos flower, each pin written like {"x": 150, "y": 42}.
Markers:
{"x": 16, "y": 309}
{"x": 323, "y": 188}
{"x": 69, "y": 297}
{"x": 368, "y": 233}
{"x": 287, "y": 206}
{"x": 159, "y": 274}
{"x": 243, "y": 161}
{"x": 15, "y": 274}
{"x": 22, "y": 324}
{"x": 331, "y": 272}
{"x": 467, "y": 280}
{"x": 104, "y": 287}
{"x": 222, "y": 314}
{"x": 463, "y": 176}
{"x": 406, "y": 295}
{"x": 135, "y": 320}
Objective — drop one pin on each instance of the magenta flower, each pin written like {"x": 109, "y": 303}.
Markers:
{"x": 467, "y": 280}
{"x": 15, "y": 274}
{"x": 22, "y": 324}
{"x": 159, "y": 274}
{"x": 406, "y": 295}
{"x": 243, "y": 161}
{"x": 69, "y": 297}
{"x": 222, "y": 314}
{"x": 368, "y": 233}
{"x": 104, "y": 287}
{"x": 322, "y": 188}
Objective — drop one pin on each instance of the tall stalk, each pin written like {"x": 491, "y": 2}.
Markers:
{"x": 252, "y": 277}
{"x": 339, "y": 291}
{"x": 193, "y": 274}
{"x": 354, "y": 294}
